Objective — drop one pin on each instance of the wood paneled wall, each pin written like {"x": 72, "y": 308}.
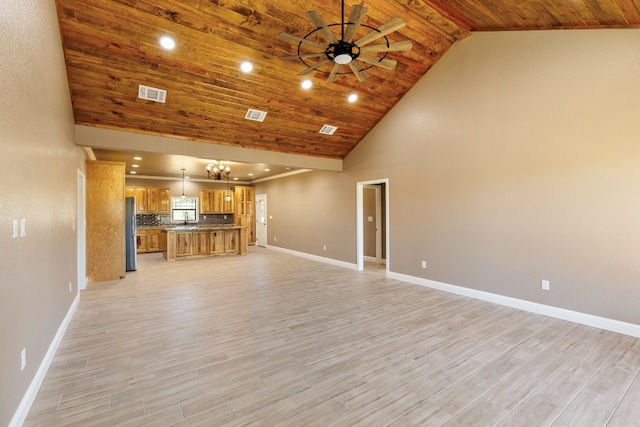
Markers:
{"x": 105, "y": 221}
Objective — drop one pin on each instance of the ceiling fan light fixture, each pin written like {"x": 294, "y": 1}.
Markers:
{"x": 343, "y": 59}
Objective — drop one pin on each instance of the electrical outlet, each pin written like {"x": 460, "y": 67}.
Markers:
{"x": 424, "y": 264}
{"x": 70, "y": 288}
{"x": 545, "y": 285}
{"x": 324, "y": 247}
{"x": 23, "y": 359}
{"x": 275, "y": 238}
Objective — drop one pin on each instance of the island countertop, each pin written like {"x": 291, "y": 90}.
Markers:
{"x": 203, "y": 227}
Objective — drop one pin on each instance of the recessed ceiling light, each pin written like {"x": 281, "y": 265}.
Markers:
{"x": 352, "y": 98}
{"x": 267, "y": 170}
{"x": 235, "y": 179}
{"x": 246, "y": 67}
{"x": 250, "y": 174}
{"x": 135, "y": 166}
{"x": 167, "y": 42}
{"x": 133, "y": 172}
{"x": 306, "y": 84}
{"x": 137, "y": 158}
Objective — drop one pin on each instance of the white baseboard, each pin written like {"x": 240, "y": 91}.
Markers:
{"x": 533, "y": 307}
{"x": 30, "y": 396}
{"x": 315, "y": 257}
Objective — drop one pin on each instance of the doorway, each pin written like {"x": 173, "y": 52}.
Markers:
{"x": 261, "y": 220}
{"x": 81, "y": 224}
{"x": 379, "y": 220}
{"x": 372, "y": 223}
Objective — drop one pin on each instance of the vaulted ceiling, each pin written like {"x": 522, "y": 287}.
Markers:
{"x": 112, "y": 46}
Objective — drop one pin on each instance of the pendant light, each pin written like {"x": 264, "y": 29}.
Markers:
{"x": 183, "y": 196}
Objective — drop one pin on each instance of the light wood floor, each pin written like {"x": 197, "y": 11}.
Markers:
{"x": 272, "y": 339}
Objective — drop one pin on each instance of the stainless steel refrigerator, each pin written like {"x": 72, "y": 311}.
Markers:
{"x": 130, "y": 231}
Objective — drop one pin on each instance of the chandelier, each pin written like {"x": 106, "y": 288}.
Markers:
{"x": 218, "y": 171}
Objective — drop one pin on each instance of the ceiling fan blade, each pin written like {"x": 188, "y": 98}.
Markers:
{"x": 334, "y": 73}
{"x": 390, "y": 26}
{"x": 303, "y": 56}
{"x": 393, "y": 47}
{"x": 361, "y": 75}
{"x": 316, "y": 20}
{"x": 387, "y": 64}
{"x": 356, "y": 16}
{"x": 313, "y": 67}
{"x": 292, "y": 38}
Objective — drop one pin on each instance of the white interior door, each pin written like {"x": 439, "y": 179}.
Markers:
{"x": 261, "y": 220}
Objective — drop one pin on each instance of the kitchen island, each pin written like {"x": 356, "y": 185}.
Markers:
{"x": 208, "y": 240}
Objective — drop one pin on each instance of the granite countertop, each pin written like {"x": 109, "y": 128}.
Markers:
{"x": 203, "y": 227}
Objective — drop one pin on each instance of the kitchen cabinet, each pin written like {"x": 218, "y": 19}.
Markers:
{"x": 148, "y": 240}
{"x": 153, "y": 239}
{"x": 141, "y": 241}
{"x": 200, "y": 243}
{"x": 183, "y": 243}
{"x": 244, "y": 215}
{"x": 230, "y": 241}
{"x": 150, "y": 200}
{"x": 180, "y": 242}
{"x": 216, "y": 242}
{"x": 141, "y": 200}
{"x": 215, "y": 202}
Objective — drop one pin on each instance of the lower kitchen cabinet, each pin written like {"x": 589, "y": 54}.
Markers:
{"x": 153, "y": 240}
{"x": 217, "y": 242}
{"x": 200, "y": 243}
{"x": 148, "y": 240}
{"x": 183, "y": 243}
{"x": 178, "y": 243}
{"x": 141, "y": 241}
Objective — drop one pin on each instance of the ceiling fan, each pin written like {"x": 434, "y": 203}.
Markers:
{"x": 358, "y": 55}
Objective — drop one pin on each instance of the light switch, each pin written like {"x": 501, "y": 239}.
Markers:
{"x": 23, "y": 227}
{"x": 14, "y": 234}
{"x": 370, "y": 219}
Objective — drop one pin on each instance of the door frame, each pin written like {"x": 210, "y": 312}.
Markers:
{"x": 266, "y": 222}
{"x": 360, "y": 221}
{"x": 81, "y": 231}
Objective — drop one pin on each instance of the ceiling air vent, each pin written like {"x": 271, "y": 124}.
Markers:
{"x": 255, "y": 115}
{"x": 152, "y": 93}
{"x": 328, "y": 130}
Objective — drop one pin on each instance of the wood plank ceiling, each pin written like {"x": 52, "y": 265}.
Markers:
{"x": 111, "y": 46}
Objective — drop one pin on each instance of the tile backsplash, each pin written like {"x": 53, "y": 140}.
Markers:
{"x": 164, "y": 220}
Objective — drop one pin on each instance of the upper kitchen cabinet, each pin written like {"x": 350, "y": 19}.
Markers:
{"x": 216, "y": 202}
{"x": 150, "y": 200}
{"x": 105, "y": 221}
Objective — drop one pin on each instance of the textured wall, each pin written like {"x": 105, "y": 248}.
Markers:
{"x": 516, "y": 159}
{"x": 310, "y": 211}
{"x": 105, "y": 221}
{"x": 38, "y": 169}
